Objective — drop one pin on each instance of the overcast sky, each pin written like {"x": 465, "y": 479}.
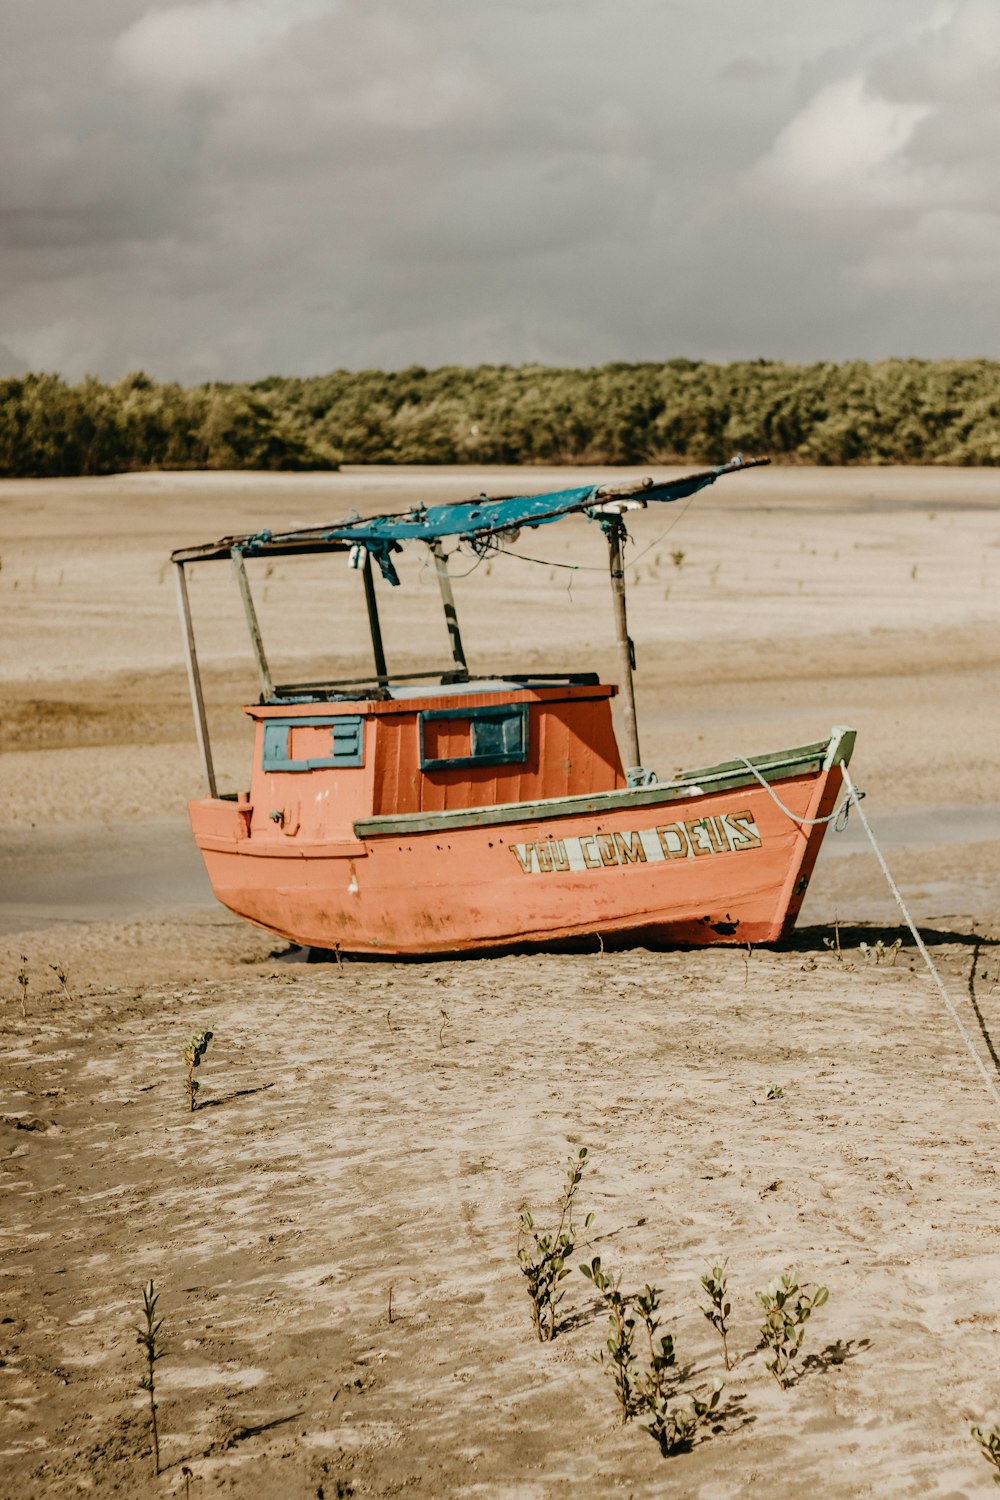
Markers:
{"x": 229, "y": 188}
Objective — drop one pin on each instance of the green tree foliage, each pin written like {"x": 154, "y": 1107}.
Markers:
{"x": 681, "y": 411}
{"x": 49, "y": 428}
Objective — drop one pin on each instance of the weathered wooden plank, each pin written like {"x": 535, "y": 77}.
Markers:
{"x": 256, "y": 639}
{"x": 373, "y": 620}
{"x": 448, "y": 604}
{"x": 626, "y": 651}
{"x": 807, "y": 760}
{"x": 194, "y": 681}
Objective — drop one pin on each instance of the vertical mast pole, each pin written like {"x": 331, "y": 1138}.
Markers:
{"x": 194, "y": 680}
{"x": 373, "y": 620}
{"x": 256, "y": 640}
{"x": 448, "y": 601}
{"x": 614, "y": 529}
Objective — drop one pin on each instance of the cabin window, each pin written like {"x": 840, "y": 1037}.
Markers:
{"x": 308, "y": 744}
{"x": 473, "y": 736}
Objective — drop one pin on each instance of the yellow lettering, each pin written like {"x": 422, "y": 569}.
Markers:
{"x": 701, "y": 842}
{"x": 742, "y": 830}
{"x": 523, "y": 853}
{"x": 669, "y": 832}
{"x": 630, "y": 850}
{"x": 606, "y": 844}
{"x": 590, "y": 856}
{"x": 714, "y": 833}
{"x": 560, "y": 859}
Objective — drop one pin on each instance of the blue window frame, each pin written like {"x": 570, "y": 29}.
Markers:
{"x": 347, "y": 743}
{"x": 497, "y": 736}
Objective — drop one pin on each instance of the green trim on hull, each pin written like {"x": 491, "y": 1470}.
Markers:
{"x": 774, "y": 766}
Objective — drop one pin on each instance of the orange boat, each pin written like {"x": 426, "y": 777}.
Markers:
{"x": 451, "y": 814}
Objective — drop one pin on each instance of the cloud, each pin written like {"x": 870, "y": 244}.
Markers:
{"x": 844, "y": 148}
{"x": 891, "y": 172}
{"x": 195, "y": 45}
{"x": 226, "y": 188}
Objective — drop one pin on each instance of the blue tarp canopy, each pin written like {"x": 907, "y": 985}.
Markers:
{"x": 474, "y": 521}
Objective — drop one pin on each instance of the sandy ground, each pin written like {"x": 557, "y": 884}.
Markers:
{"x": 376, "y": 1128}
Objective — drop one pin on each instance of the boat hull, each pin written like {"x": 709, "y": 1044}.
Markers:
{"x": 694, "y": 867}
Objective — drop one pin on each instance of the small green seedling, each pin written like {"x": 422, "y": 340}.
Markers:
{"x": 787, "y": 1306}
{"x": 618, "y": 1355}
{"x": 642, "y": 1388}
{"x": 543, "y": 1257}
{"x": 834, "y": 943}
{"x": 880, "y": 950}
{"x": 774, "y": 1091}
{"x": 989, "y": 1447}
{"x": 445, "y": 1021}
{"x": 193, "y": 1054}
{"x": 675, "y": 1430}
{"x": 716, "y": 1284}
{"x": 677, "y": 557}
{"x": 148, "y": 1337}
{"x": 671, "y": 1430}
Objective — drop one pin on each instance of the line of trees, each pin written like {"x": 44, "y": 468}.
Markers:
{"x": 686, "y": 411}
{"x": 50, "y": 428}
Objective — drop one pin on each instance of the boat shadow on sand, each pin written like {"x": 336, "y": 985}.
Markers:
{"x": 818, "y": 937}
{"x": 814, "y": 939}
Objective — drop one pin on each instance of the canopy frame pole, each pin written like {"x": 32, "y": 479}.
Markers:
{"x": 448, "y": 602}
{"x": 194, "y": 681}
{"x": 373, "y": 620}
{"x": 614, "y": 529}
{"x": 256, "y": 639}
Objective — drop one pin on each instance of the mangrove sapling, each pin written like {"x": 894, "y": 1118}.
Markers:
{"x": 671, "y": 1430}
{"x": 148, "y": 1337}
{"x": 543, "y": 1257}
{"x": 834, "y": 943}
{"x": 59, "y": 972}
{"x": 193, "y": 1054}
{"x": 715, "y": 1283}
{"x": 642, "y": 1389}
{"x": 22, "y": 979}
{"x": 618, "y": 1355}
{"x": 787, "y": 1306}
{"x": 880, "y": 950}
{"x": 675, "y": 1430}
{"x": 989, "y": 1447}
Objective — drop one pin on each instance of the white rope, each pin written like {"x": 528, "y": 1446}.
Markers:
{"x": 989, "y": 1082}
{"x": 838, "y": 817}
